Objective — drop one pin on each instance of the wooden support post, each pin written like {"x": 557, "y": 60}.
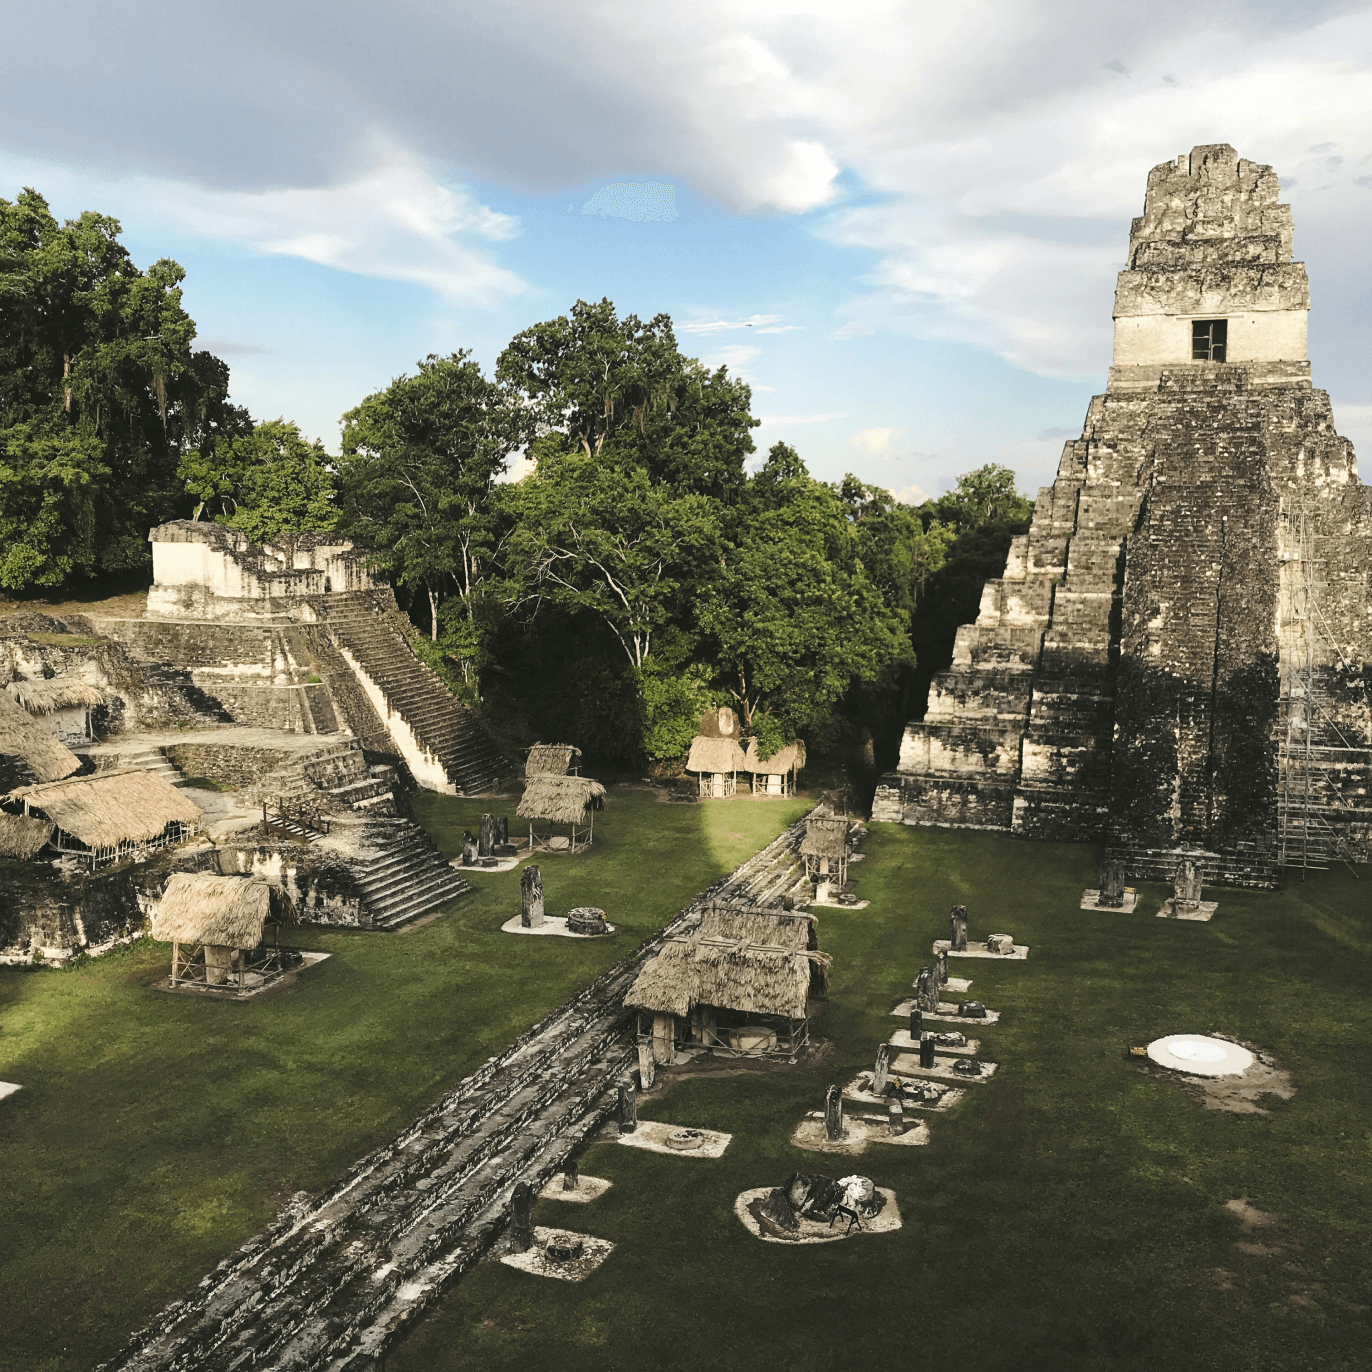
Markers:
{"x": 176, "y": 959}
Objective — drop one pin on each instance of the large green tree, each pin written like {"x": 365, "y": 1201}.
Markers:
{"x": 793, "y": 616}
{"x": 100, "y": 395}
{"x": 621, "y": 390}
{"x": 266, "y": 481}
{"x": 418, "y": 483}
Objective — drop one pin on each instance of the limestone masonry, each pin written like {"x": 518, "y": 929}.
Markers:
{"x": 1174, "y": 660}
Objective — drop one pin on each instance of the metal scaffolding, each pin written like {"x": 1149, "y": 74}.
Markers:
{"x": 1314, "y": 753}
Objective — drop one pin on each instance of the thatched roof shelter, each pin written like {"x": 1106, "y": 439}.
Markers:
{"x": 715, "y": 755}
{"x": 551, "y": 759}
{"x": 825, "y": 836}
{"x": 781, "y": 762}
{"x": 740, "y": 958}
{"x": 126, "y": 805}
{"x": 564, "y": 800}
{"x": 40, "y": 752}
{"x": 56, "y": 693}
{"x": 228, "y": 912}
{"x": 22, "y": 837}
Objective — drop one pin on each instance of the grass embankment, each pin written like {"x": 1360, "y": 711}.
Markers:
{"x": 1069, "y": 1214}
{"x": 155, "y": 1132}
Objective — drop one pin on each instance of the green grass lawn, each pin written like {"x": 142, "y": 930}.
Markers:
{"x": 1069, "y": 1214}
{"x": 156, "y": 1132}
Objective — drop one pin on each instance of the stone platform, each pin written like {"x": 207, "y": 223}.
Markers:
{"x": 858, "y": 1132}
{"x": 653, "y": 1135}
{"x": 901, "y": 1039}
{"x": 860, "y": 1091}
{"x": 1090, "y": 901}
{"x": 885, "y": 1221}
{"x": 948, "y": 1014}
{"x": 907, "y": 1065}
{"x": 1204, "y": 911}
{"x": 537, "y": 1262}
{"x": 980, "y": 950}
{"x": 556, "y": 925}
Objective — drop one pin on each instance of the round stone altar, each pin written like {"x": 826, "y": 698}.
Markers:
{"x": 1200, "y": 1056}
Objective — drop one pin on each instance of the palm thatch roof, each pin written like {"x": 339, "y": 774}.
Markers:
{"x": 715, "y": 755}
{"x": 781, "y": 762}
{"x": 551, "y": 759}
{"x": 124, "y": 805}
{"x": 56, "y": 693}
{"x": 41, "y": 753}
{"x": 741, "y": 958}
{"x": 22, "y": 837}
{"x": 564, "y": 800}
{"x": 825, "y": 836}
{"x": 204, "y": 907}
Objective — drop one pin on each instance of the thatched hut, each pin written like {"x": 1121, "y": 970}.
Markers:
{"x": 552, "y": 759}
{"x": 776, "y": 774}
{"x": 23, "y": 838}
{"x": 63, "y": 704}
{"x": 564, "y": 801}
{"x": 715, "y": 754}
{"x": 740, "y": 983}
{"x": 28, "y": 752}
{"x": 825, "y": 850}
{"x": 216, "y": 926}
{"x": 125, "y": 812}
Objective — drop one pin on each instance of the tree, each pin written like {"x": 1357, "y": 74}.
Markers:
{"x": 619, "y": 389}
{"x": 417, "y": 482}
{"x": 794, "y": 617}
{"x": 267, "y": 481}
{"x": 603, "y": 538}
{"x": 100, "y": 394}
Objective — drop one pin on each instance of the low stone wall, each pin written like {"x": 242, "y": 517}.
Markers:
{"x": 320, "y": 884}
{"x": 50, "y": 918}
{"x": 236, "y": 768}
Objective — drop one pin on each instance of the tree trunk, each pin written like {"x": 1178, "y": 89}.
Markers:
{"x": 433, "y": 615}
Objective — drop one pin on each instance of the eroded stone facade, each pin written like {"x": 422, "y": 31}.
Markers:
{"x": 1138, "y": 672}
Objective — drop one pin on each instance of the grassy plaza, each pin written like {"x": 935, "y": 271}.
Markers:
{"x": 1070, "y": 1212}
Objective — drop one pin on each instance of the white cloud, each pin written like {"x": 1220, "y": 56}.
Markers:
{"x": 757, "y": 321}
{"x": 873, "y": 442}
{"x": 911, "y": 495}
{"x": 771, "y": 420}
{"x": 392, "y": 219}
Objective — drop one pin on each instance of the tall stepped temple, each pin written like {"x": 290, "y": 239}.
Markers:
{"x": 1175, "y": 658}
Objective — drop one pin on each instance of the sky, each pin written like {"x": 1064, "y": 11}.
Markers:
{"x": 900, "y": 223}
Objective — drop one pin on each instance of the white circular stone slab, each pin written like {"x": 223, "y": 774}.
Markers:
{"x": 1201, "y": 1056}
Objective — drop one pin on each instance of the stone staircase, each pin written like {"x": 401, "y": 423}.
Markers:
{"x": 470, "y": 758}
{"x": 399, "y": 872}
{"x": 149, "y": 760}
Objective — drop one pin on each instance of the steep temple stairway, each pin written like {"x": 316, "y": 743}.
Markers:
{"x": 447, "y": 736}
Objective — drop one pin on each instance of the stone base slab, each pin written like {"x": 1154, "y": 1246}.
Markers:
{"x": 653, "y": 1135}
{"x": 885, "y": 1221}
{"x": 839, "y": 904}
{"x": 587, "y": 1189}
{"x": 552, "y": 924}
{"x": 948, "y": 1014}
{"x": 858, "y": 1132}
{"x": 536, "y": 1260}
{"x": 256, "y": 985}
{"x": 980, "y": 950}
{"x": 907, "y": 1065}
{"x": 901, "y": 1039}
{"x": 8, "y": 1088}
{"x": 1205, "y": 910}
{"x": 1090, "y": 897}
{"x": 860, "y": 1091}
{"x": 505, "y": 864}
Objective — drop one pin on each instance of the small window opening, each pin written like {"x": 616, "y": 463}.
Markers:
{"x": 1208, "y": 339}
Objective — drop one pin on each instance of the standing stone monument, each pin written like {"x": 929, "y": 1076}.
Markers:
{"x": 502, "y": 829}
{"x": 958, "y": 919}
{"x": 531, "y": 897}
{"x": 647, "y": 1067}
{"x": 833, "y": 1114}
{"x": 468, "y": 849}
{"x": 926, "y": 990}
{"x": 941, "y": 966}
{"x": 895, "y": 1116}
{"x": 522, "y": 1218}
{"x": 1187, "y": 886}
{"x": 1111, "y": 885}
{"x": 486, "y": 836}
{"x": 916, "y": 1023}
{"x": 926, "y": 1050}
{"x": 571, "y": 1174}
{"x": 881, "y": 1074}
{"x": 628, "y": 1107}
